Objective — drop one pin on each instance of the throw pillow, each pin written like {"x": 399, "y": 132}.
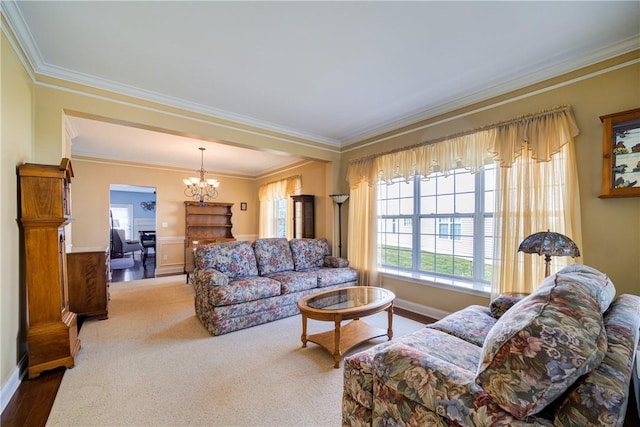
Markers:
{"x": 308, "y": 253}
{"x": 536, "y": 351}
{"x": 504, "y": 302}
{"x": 273, "y": 255}
{"x": 233, "y": 259}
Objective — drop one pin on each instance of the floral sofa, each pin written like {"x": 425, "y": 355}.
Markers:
{"x": 241, "y": 284}
{"x": 562, "y": 356}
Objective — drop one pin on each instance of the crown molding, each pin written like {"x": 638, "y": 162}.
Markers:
{"x": 517, "y": 81}
{"x": 26, "y": 41}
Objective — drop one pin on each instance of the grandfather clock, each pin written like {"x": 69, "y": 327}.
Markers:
{"x": 303, "y": 216}
{"x": 52, "y": 336}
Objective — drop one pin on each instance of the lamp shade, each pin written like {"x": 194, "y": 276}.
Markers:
{"x": 549, "y": 243}
{"x": 339, "y": 198}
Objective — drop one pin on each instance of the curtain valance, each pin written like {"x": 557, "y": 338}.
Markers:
{"x": 543, "y": 133}
{"x": 280, "y": 189}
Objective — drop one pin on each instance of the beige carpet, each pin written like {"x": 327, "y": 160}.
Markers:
{"x": 152, "y": 363}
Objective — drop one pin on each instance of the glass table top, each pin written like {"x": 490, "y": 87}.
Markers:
{"x": 357, "y": 296}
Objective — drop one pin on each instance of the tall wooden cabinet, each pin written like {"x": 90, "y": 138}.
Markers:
{"x": 52, "y": 335}
{"x": 209, "y": 222}
{"x": 304, "y": 216}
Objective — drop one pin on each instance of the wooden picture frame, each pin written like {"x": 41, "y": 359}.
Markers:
{"x": 621, "y": 154}
{"x": 243, "y": 206}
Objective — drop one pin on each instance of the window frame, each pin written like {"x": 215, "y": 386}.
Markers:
{"x": 477, "y": 283}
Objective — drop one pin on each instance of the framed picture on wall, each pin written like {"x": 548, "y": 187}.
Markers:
{"x": 243, "y": 206}
{"x": 621, "y": 154}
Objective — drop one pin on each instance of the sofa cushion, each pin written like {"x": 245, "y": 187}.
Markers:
{"x": 545, "y": 342}
{"x": 471, "y": 324}
{"x": 329, "y": 276}
{"x": 308, "y": 253}
{"x": 273, "y": 255}
{"x": 243, "y": 289}
{"x": 295, "y": 281}
{"x": 233, "y": 259}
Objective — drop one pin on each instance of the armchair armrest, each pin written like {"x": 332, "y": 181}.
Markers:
{"x": 335, "y": 262}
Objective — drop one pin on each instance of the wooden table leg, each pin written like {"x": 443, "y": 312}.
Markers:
{"x": 304, "y": 331}
{"x": 390, "y": 330}
{"x": 336, "y": 349}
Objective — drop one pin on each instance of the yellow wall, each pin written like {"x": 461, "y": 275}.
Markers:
{"x": 610, "y": 227}
{"x": 16, "y": 106}
{"x": 90, "y": 205}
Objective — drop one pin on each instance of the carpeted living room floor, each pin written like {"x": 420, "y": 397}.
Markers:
{"x": 153, "y": 363}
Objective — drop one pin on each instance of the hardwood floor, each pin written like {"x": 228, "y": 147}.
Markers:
{"x": 140, "y": 270}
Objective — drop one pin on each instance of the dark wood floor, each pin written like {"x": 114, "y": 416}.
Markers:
{"x": 140, "y": 270}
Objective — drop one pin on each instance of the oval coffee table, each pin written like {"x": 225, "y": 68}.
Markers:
{"x": 340, "y": 304}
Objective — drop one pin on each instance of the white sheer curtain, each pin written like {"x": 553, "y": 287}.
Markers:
{"x": 268, "y": 194}
{"x": 524, "y": 147}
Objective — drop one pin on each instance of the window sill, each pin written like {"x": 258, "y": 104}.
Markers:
{"x": 476, "y": 289}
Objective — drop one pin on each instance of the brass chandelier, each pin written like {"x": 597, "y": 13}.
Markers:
{"x": 201, "y": 189}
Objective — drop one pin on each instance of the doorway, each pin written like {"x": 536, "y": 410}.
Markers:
{"x": 132, "y": 216}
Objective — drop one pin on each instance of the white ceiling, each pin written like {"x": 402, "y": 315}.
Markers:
{"x": 331, "y": 71}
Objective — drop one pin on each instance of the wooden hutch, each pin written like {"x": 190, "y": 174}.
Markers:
{"x": 207, "y": 222}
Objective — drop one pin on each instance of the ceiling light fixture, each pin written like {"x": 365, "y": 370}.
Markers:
{"x": 201, "y": 189}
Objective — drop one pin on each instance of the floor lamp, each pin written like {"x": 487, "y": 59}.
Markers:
{"x": 339, "y": 199}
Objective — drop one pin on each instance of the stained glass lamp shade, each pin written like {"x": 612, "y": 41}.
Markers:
{"x": 549, "y": 244}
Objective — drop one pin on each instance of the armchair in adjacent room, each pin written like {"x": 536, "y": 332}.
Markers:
{"x": 121, "y": 246}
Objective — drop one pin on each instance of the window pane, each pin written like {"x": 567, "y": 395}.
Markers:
{"x": 489, "y": 201}
{"x": 465, "y": 202}
{"x": 428, "y": 187}
{"x": 465, "y": 183}
{"x": 445, "y": 204}
{"x": 406, "y": 206}
{"x": 427, "y": 205}
{"x": 446, "y": 185}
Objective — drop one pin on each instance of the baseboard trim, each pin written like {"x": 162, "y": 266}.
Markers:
{"x": 170, "y": 271}
{"x": 423, "y": 310}
{"x": 13, "y": 382}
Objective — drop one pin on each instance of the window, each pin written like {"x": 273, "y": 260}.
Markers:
{"x": 280, "y": 217}
{"x": 440, "y": 227}
{"x": 122, "y": 217}
{"x": 276, "y": 207}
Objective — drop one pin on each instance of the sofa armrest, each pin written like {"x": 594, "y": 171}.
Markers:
{"x": 436, "y": 384}
{"x": 335, "y": 262}
{"x": 205, "y": 279}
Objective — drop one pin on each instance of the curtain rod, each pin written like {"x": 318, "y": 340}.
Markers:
{"x": 530, "y": 116}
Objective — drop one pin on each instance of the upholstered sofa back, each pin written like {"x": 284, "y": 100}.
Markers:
{"x": 546, "y": 341}
{"x": 233, "y": 259}
{"x": 273, "y": 255}
{"x": 309, "y": 253}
